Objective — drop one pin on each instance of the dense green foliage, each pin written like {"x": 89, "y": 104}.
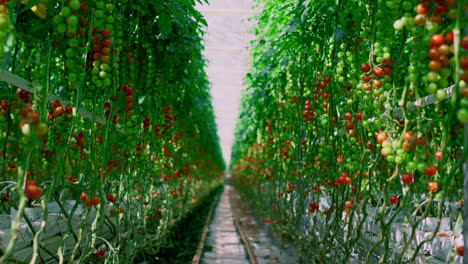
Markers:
{"x": 118, "y": 118}
{"x": 328, "y": 148}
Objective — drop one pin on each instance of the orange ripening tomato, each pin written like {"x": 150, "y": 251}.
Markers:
{"x": 432, "y": 186}
{"x": 31, "y": 190}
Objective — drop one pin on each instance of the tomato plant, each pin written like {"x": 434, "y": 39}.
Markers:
{"x": 110, "y": 123}
{"x": 396, "y": 162}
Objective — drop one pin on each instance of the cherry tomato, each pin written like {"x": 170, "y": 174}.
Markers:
{"x": 394, "y": 199}
{"x": 460, "y": 251}
{"x": 365, "y": 67}
{"x": 430, "y": 170}
{"x": 432, "y": 186}
{"x": 422, "y": 9}
{"x": 32, "y": 191}
{"x": 437, "y": 40}
{"x": 407, "y": 178}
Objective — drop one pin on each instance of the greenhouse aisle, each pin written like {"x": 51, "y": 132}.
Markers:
{"x": 223, "y": 244}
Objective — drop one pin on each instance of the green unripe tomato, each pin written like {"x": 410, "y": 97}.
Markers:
{"x": 110, "y": 19}
{"x": 462, "y": 115}
{"x": 74, "y": 4}
{"x": 94, "y": 78}
{"x": 102, "y": 74}
{"x": 107, "y": 82}
{"x": 412, "y": 77}
{"x": 399, "y": 24}
{"x": 452, "y": 63}
{"x": 387, "y": 144}
{"x": 444, "y": 73}
{"x": 432, "y": 27}
{"x": 433, "y": 77}
{"x": 421, "y": 166}
{"x": 61, "y": 28}
{"x": 410, "y": 26}
{"x": 73, "y": 43}
{"x": 440, "y": 95}
{"x": 424, "y": 79}
{"x": 58, "y": 19}
{"x": 72, "y": 28}
{"x": 26, "y": 130}
{"x": 462, "y": 84}
{"x": 98, "y": 83}
{"x": 412, "y": 165}
{"x": 443, "y": 83}
{"x": 66, "y": 11}
{"x": 377, "y": 123}
{"x": 70, "y": 53}
{"x": 72, "y": 20}
{"x": 431, "y": 88}
{"x": 464, "y": 102}
{"x": 105, "y": 67}
{"x": 72, "y": 77}
{"x": 70, "y": 64}
{"x": 99, "y": 14}
{"x": 399, "y": 159}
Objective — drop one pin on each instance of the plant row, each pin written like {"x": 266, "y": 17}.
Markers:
{"x": 333, "y": 131}
{"x": 127, "y": 144}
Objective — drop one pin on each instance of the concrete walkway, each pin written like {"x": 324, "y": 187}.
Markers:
{"x": 263, "y": 245}
{"x": 223, "y": 245}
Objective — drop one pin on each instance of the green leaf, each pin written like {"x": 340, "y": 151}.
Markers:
{"x": 458, "y": 224}
{"x": 165, "y": 24}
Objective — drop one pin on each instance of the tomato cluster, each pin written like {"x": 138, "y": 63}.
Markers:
{"x": 4, "y": 27}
